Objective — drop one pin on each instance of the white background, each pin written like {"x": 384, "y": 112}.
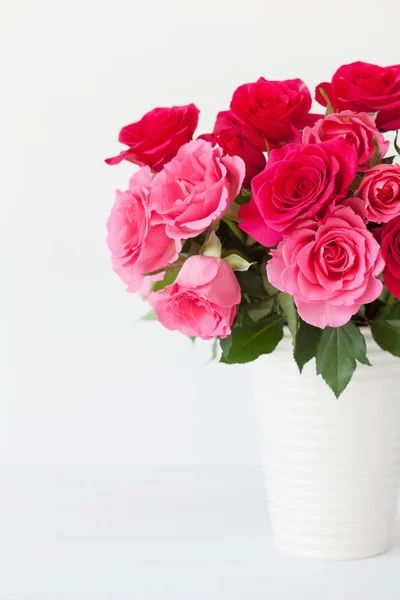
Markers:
{"x": 81, "y": 379}
{"x": 83, "y": 382}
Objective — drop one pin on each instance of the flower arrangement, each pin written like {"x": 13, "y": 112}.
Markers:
{"x": 278, "y": 217}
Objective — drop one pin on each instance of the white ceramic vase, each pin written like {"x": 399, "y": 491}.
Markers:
{"x": 331, "y": 466}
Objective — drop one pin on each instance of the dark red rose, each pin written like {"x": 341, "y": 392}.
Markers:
{"x": 361, "y": 86}
{"x": 272, "y": 111}
{"x": 227, "y": 133}
{"x": 157, "y": 137}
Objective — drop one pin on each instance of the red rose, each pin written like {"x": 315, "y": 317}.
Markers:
{"x": 227, "y": 133}
{"x": 299, "y": 182}
{"x": 361, "y": 86}
{"x": 271, "y": 111}
{"x": 157, "y": 137}
{"x": 389, "y": 235}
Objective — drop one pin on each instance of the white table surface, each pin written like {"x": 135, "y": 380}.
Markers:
{"x": 120, "y": 532}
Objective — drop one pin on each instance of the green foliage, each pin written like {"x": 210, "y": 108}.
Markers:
{"x": 355, "y": 184}
{"x": 306, "y": 343}
{"x": 238, "y": 233}
{"x": 376, "y": 157}
{"x": 338, "y": 349}
{"x": 212, "y": 245}
{"x": 248, "y": 342}
{"x": 169, "y": 278}
{"x": 259, "y": 310}
{"x": 269, "y": 288}
{"x": 150, "y": 316}
{"x": 329, "y": 107}
{"x": 396, "y": 145}
{"x": 388, "y": 160}
{"x": 226, "y": 345}
{"x": 237, "y": 262}
{"x": 251, "y": 283}
{"x": 243, "y": 197}
{"x": 232, "y": 212}
{"x": 386, "y": 329}
{"x": 289, "y": 309}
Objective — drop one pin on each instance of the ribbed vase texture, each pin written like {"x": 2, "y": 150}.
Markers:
{"x": 331, "y": 466}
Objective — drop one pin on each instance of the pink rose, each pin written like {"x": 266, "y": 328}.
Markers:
{"x": 202, "y": 300}
{"x": 357, "y": 128}
{"x": 361, "y": 86}
{"x": 137, "y": 246}
{"x": 157, "y": 137}
{"x": 389, "y": 236}
{"x": 227, "y": 133}
{"x": 329, "y": 266}
{"x": 195, "y": 188}
{"x": 380, "y": 191}
{"x": 298, "y": 182}
{"x": 272, "y": 111}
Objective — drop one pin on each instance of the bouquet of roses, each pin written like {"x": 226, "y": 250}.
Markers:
{"x": 279, "y": 217}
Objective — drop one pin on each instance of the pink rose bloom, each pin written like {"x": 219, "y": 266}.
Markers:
{"x": 271, "y": 111}
{"x": 202, "y": 300}
{"x": 137, "y": 246}
{"x": 157, "y": 137}
{"x": 380, "y": 191}
{"x": 389, "y": 236}
{"x": 195, "y": 188}
{"x": 329, "y": 266}
{"x": 357, "y": 128}
{"x": 227, "y": 133}
{"x": 298, "y": 182}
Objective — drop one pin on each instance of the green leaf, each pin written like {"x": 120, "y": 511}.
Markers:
{"x": 396, "y": 145}
{"x": 338, "y": 349}
{"x": 243, "y": 197}
{"x": 235, "y": 229}
{"x": 226, "y": 345}
{"x": 169, "y": 278}
{"x": 253, "y": 339}
{"x": 384, "y": 296}
{"x": 386, "y": 329}
{"x": 261, "y": 309}
{"x": 237, "y": 262}
{"x": 376, "y": 157}
{"x": 329, "y": 107}
{"x": 355, "y": 184}
{"x": 232, "y": 212}
{"x": 388, "y": 160}
{"x": 289, "y": 309}
{"x": 269, "y": 288}
{"x": 361, "y": 312}
{"x": 150, "y": 316}
{"x": 251, "y": 283}
{"x": 267, "y": 146}
{"x": 306, "y": 343}
{"x": 212, "y": 246}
